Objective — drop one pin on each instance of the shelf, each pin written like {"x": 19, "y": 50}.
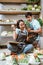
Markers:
{"x": 17, "y": 1}
{"x": 18, "y": 12}
{"x": 5, "y": 36}
{"x": 5, "y": 24}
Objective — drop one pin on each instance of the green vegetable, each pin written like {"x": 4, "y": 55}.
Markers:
{"x": 24, "y": 8}
{"x": 14, "y": 61}
{"x": 27, "y": 23}
{"x": 29, "y": 7}
{"x": 37, "y": 59}
{"x": 33, "y": 0}
{"x": 40, "y": 21}
{"x": 39, "y": 7}
{"x": 23, "y": 60}
{"x": 40, "y": 54}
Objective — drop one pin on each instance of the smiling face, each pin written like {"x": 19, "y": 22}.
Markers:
{"x": 21, "y": 25}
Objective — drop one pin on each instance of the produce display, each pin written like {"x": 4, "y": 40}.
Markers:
{"x": 5, "y": 33}
{"x": 8, "y": 21}
{"x": 35, "y": 58}
{"x": 2, "y": 56}
{"x": 40, "y": 21}
{"x": 10, "y": 33}
{"x": 23, "y": 59}
{"x": 8, "y": 9}
{"x": 32, "y": 8}
{"x": 10, "y": 60}
{"x": 39, "y": 53}
{"x": 11, "y": 9}
{"x": 26, "y": 7}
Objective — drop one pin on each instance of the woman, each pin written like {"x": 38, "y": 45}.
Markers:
{"x": 20, "y": 35}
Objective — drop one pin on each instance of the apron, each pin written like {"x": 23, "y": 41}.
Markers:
{"x": 21, "y": 39}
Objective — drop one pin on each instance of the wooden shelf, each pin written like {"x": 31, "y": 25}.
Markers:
{"x": 18, "y": 12}
{"x": 5, "y": 36}
{"x": 17, "y": 1}
{"x": 7, "y": 24}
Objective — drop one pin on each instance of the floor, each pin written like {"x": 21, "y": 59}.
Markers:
{"x": 7, "y": 52}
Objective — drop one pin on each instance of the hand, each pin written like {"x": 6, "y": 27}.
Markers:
{"x": 27, "y": 39}
{"x": 29, "y": 29}
{"x": 13, "y": 27}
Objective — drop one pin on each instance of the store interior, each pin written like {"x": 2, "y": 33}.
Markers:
{"x": 10, "y": 12}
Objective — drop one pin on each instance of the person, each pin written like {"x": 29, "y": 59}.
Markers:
{"x": 20, "y": 35}
{"x": 34, "y": 26}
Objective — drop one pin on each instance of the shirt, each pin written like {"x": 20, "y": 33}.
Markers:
{"x": 34, "y": 24}
{"x": 19, "y": 30}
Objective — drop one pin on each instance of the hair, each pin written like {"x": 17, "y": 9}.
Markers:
{"x": 19, "y": 22}
{"x": 28, "y": 14}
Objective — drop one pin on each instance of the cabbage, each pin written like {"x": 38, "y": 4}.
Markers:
{"x": 35, "y": 5}
{"x": 33, "y": 9}
{"x": 39, "y": 7}
{"x": 29, "y": 7}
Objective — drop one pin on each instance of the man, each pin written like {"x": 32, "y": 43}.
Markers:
{"x": 34, "y": 25}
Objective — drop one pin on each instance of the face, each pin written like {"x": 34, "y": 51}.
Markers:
{"x": 21, "y": 25}
{"x": 29, "y": 18}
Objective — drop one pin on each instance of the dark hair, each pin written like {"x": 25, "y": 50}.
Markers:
{"x": 28, "y": 14}
{"x": 18, "y": 23}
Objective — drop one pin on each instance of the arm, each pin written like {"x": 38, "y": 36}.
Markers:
{"x": 36, "y": 26}
{"x": 35, "y": 31}
{"x": 14, "y": 35}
